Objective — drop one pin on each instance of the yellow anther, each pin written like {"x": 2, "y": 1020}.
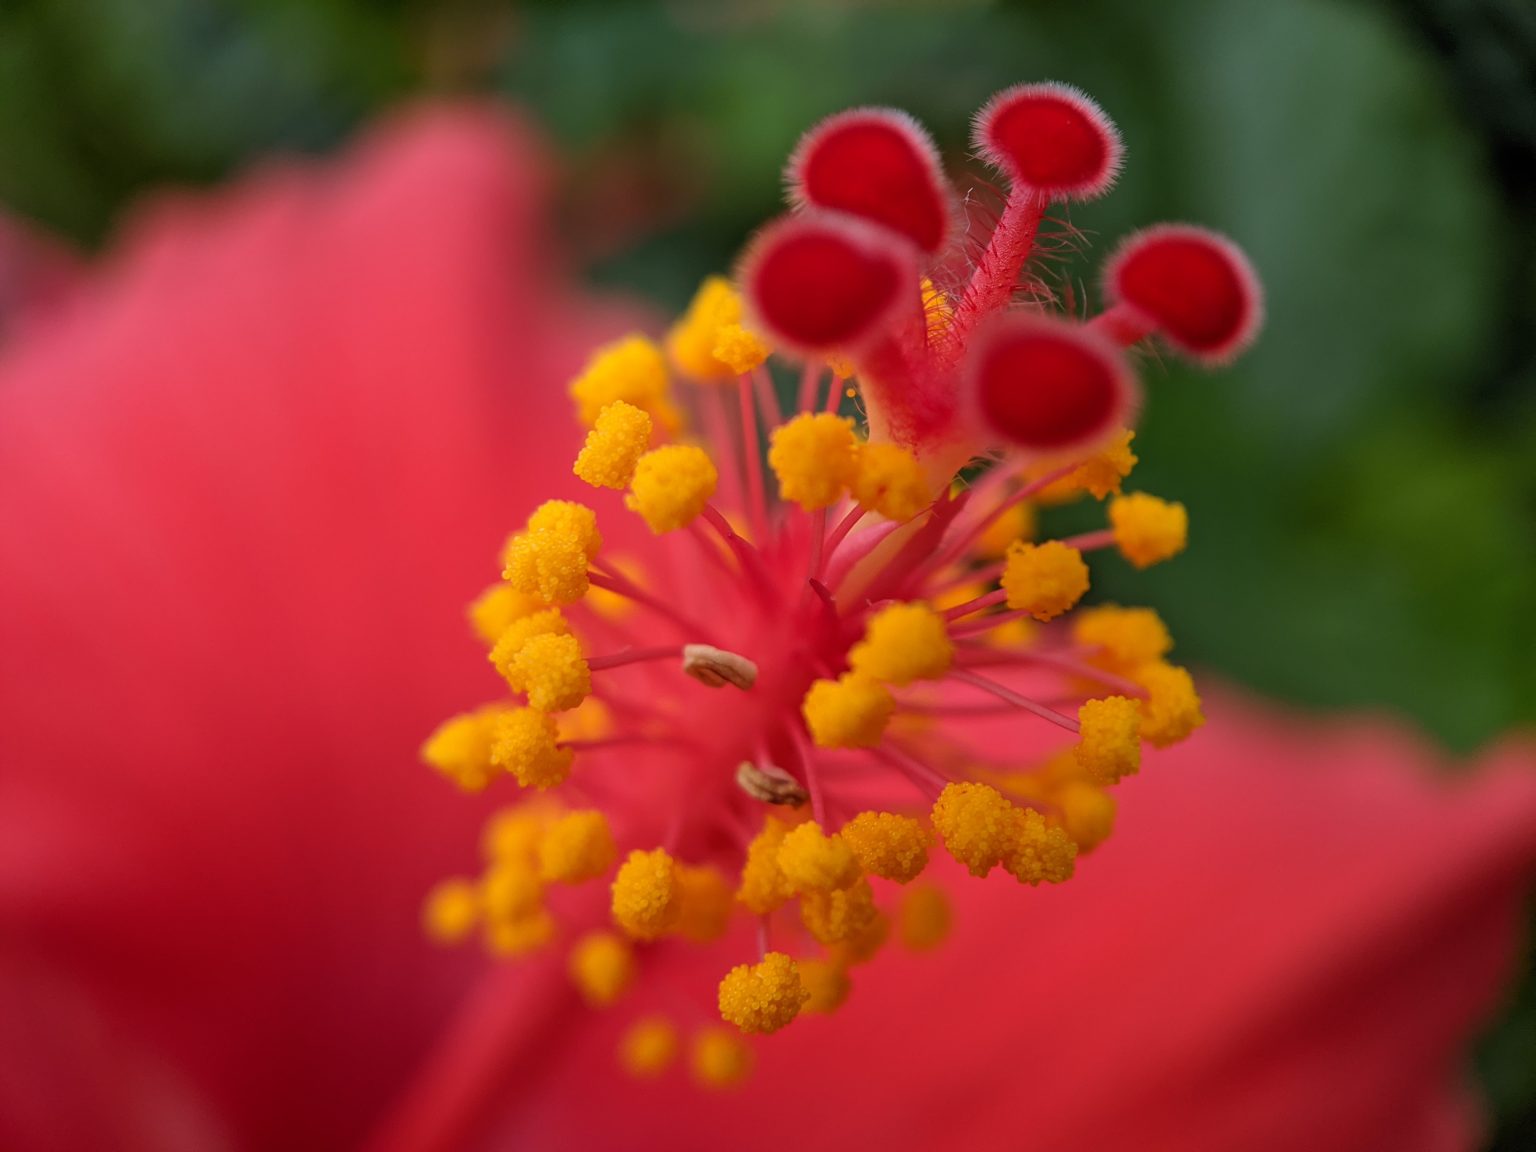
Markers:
{"x": 814, "y": 862}
{"x": 645, "y": 898}
{"x": 613, "y": 446}
{"x": 826, "y": 984}
{"x": 709, "y": 342}
{"x": 632, "y": 370}
{"x": 591, "y": 720}
{"x": 975, "y": 822}
{"x": 526, "y": 746}
{"x": 553, "y": 672}
{"x": 575, "y": 847}
{"x": 924, "y": 917}
{"x": 1087, "y": 813}
{"x": 1129, "y": 636}
{"x": 1018, "y": 523}
{"x": 1109, "y": 744}
{"x": 842, "y": 368}
{"x": 849, "y": 712}
{"x": 889, "y": 481}
{"x": 740, "y": 349}
{"x": 719, "y": 1058}
{"x": 840, "y": 916}
{"x": 763, "y": 884}
{"x": 1171, "y": 710}
{"x": 1038, "y": 852}
{"x": 520, "y": 936}
{"x": 671, "y": 486}
{"x": 887, "y": 845}
{"x": 1148, "y": 530}
{"x": 602, "y": 966}
{"x": 762, "y": 997}
{"x": 903, "y": 643}
{"x": 545, "y": 622}
{"x": 460, "y": 748}
{"x": 937, "y": 310}
{"x": 494, "y": 610}
{"x": 514, "y": 834}
{"x": 549, "y": 558}
{"x": 451, "y": 911}
{"x": 648, "y": 1047}
{"x": 863, "y": 945}
{"x": 1044, "y": 580}
{"x": 1100, "y": 474}
{"x": 705, "y": 903}
{"x": 815, "y": 457}
{"x": 510, "y": 891}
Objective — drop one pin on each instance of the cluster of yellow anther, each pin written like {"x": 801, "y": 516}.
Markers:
{"x": 981, "y": 828}
{"x": 549, "y": 557}
{"x": 461, "y": 746}
{"x": 614, "y": 446}
{"x": 762, "y": 997}
{"x": 524, "y": 849}
{"x": 888, "y": 845}
{"x": 671, "y": 486}
{"x": 889, "y": 481}
{"x": 717, "y": 1057}
{"x": 710, "y": 342}
{"x": 1044, "y": 580}
{"x": 815, "y": 457}
{"x": 1148, "y": 530}
{"x": 1109, "y": 740}
{"x": 632, "y": 371}
{"x": 849, "y": 712}
{"x": 1133, "y": 643}
{"x": 1100, "y": 475}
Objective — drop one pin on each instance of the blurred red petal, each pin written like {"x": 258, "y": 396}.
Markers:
{"x": 251, "y": 477}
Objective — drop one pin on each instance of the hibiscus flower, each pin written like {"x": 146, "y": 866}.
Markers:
{"x": 252, "y": 468}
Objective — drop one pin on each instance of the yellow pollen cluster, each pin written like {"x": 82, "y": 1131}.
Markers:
{"x": 1037, "y": 852}
{"x": 924, "y": 917}
{"x": 494, "y": 610}
{"x": 849, "y": 712}
{"x": 1044, "y": 580}
{"x": 1148, "y": 530}
{"x": 841, "y": 915}
{"x": 1129, "y": 636}
{"x": 975, "y": 822}
{"x": 1087, "y": 813}
{"x": 1100, "y": 475}
{"x": 633, "y": 371}
{"x": 648, "y": 1047}
{"x": 527, "y": 746}
{"x": 461, "y": 747}
{"x": 705, "y": 903}
{"x": 762, "y": 997}
{"x": 764, "y": 886}
{"x": 1109, "y": 744}
{"x": 815, "y": 457}
{"x": 645, "y": 894}
{"x": 888, "y": 845}
{"x": 710, "y": 342}
{"x": 577, "y": 846}
{"x": 451, "y": 911}
{"x": 671, "y": 486}
{"x": 826, "y": 984}
{"x": 1171, "y": 710}
{"x": 719, "y": 1058}
{"x": 903, "y": 643}
{"x": 614, "y": 446}
{"x": 553, "y": 672}
{"x": 602, "y": 966}
{"x": 503, "y": 656}
{"x": 1018, "y": 523}
{"x": 549, "y": 557}
{"x": 889, "y": 481}
{"x": 814, "y": 862}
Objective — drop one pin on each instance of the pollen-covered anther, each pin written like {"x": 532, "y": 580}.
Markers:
{"x": 849, "y": 712}
{"x": 770, "y": 784}
{"x": 1087, "y": 813}
{"x": 526, "y": 745}
{"x": 451, "y": 911}
{"x": 888, "y": 845}
{"x": 1109, "y": 745}
{"x": 553, "y": 672}
{"x": 1193, "y": 285}
{"x": 549, "y": 557}
{"x": 631, "y": 370}
{"x": 903, "y": 643}
{"x": 648, "y": 1047}
{"x": 461, "y": 747}
{"x": 614, "y": 446}
{"x": 763, "y": 884}
{"x": 1100, "y": 475}
{"x": 503, "y": 655}
{"x": 815, "y": 862}
{"x": 719, "y": 1058}
{"x": 717, "y": 667}
{"x": 671, "y": 486}
{"x": 976, "y": 824}
{"x": 1128, "y": 636}
{"x": 1046, "y": 386}
{"x": 705, "y": 903}
{"x": 510, "y": 891}
{"x": 1037, "y": 852}
{"x": 814, "y": 456}
{"x": 840, "y": 916}
{"x": 710, "y": 342}
{"x": 1171, "y": 710}
{"x": 1051, "y": 139}
{"x": 1044, "y": 580}
{"x": 762, "y": 997}
{"x": 521, "y": 935}
{"x": 877, "y": 163}
{"x": 498, "y": 608}
{"x": 889, "y": 481}
{"x": 824, "y": 282}
{"x": 576, "y": 847}
{"x": 645, "y": 894}
{"x": 924, "y": 917}
{"x": 602, "y": 966}
{"x": 1148, "y": 530}
{"x": 827, "y": 985}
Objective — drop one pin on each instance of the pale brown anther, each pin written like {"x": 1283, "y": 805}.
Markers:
{"x": 770, "y": 785}
{"x": 716, "y": 666}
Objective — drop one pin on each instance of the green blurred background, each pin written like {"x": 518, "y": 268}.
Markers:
{"x": 1363, "y": 484}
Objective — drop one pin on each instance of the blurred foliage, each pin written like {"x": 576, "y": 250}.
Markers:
{"x": 1363, "y": 484}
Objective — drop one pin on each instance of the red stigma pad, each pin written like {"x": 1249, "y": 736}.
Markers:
{"x": 1051, "y": 139}
{"x": 1195, "y": 285}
